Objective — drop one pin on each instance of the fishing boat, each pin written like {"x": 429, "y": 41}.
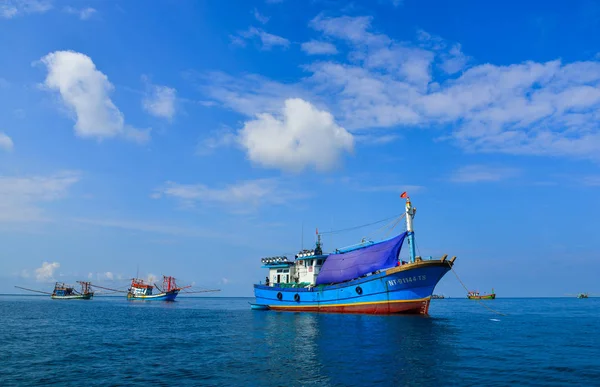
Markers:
{"x": 67, "y": 292}
{"x": 366, "y": 278}
{"x": 437, "y": 297}
{"x": 474, "y": 295}
{"x": 583, "y": 295}
{"x": 140, "y": 290}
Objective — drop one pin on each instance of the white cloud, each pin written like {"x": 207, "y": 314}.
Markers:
{"x": 260, "y": 18}
{"x": 241, "y": 197}
{"x": 267, "y": 40}
{"x": 349, "y": 28}
{"x": 391, "y": 188}
{"x": 364, "y": 99}
{"x": 83, "y": 13}
{"x": 6, "y": 142}
{"x": 451, "y": 59}
{"x": 85, "y": 90}
{"x": 46, "y": 271}
{"x": 21, "y": 197}
{"x": 530, "y": 108}
{"x": 151, "y": 278}
{"x": 152, "y": 227}
{"x": 301, "y": 136}
{"x": 315, "y": 47}
{"x": 219, "y": 138}
{"x": 225, "y": 281}
{"x": 160, "y": 101}
{"x": 250, "y": 94}
{"x": 13, "y": 8}
{"x": 102, "y": 276}
{"x": 376, "y": 139}
{"x": 454, "y": 61}
{"x": 482, "y": 173}
{"x": 378, "y": 52}
{"x": 549, "y": 108}
{"x": 395, "y": 3}
{"x": 592, "y": 181}
{"x": 237, "y": 40}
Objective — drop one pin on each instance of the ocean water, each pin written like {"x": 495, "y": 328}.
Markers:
{"x": 221, "y": 342}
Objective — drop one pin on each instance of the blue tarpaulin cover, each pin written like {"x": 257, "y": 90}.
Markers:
{"x": 355, "y": 263}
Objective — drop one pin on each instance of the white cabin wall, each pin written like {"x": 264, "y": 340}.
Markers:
{"x": 304, "y": 271}
{"x": 285, "y": 275}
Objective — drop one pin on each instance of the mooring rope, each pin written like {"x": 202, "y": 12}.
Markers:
{"x": 467, "y": 289}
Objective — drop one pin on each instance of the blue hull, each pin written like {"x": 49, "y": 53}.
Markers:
{"x": 170, "y": 296}
{"x": 405, "y": 289}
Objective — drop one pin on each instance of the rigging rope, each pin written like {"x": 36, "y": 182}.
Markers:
{"x": 396, "y": 219}
{"x": 467, "y": 290}
{"x": 392, "y": 228}
{"x": 357, "y": 227}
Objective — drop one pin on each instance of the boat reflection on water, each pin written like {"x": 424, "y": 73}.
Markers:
{"x": 337, "y": 349}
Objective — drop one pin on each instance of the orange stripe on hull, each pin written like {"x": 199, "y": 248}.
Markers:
{"x": 416, "y": 307}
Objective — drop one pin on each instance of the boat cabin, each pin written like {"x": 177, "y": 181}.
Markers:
{"x": 308, "y": 266}
{"x": 281, "y": 271}
{"x": 302, "y": 272}
{"x": 60, "y": 289}
{"x": 139, "y": 288}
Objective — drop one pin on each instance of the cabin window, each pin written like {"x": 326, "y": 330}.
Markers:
{"x": 286, "y": 270}
{"x": 278, "y": 278}
{"x": 319, "y": 262}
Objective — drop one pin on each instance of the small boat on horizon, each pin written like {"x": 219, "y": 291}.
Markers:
{"x": 365, "y": 278}
{"x": 474, "y": 295}
{"x": 583, "y": 295}
{"x": 437, "y": 296}
{"x": 63, "y": 291}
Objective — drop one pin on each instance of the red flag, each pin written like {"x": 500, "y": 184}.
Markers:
{"x": 404, "y": 195}
{"x": 317, "y": 231}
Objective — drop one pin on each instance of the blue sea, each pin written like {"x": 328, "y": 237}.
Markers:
{"x": 221, "y": 342}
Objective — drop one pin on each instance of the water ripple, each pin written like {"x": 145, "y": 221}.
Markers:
{"x": 220, "y": 342}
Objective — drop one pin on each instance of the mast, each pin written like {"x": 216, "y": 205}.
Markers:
{"x": 318, "y": 249}
{"x": 410, "y": 214}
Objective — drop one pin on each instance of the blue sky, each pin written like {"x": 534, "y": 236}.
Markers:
{"x": 192, "y": 138}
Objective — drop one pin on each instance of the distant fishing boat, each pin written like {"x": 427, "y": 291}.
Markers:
{"x": 437, "y": 297}
{"x": 66, "y": 292}
{"x": 474, "y": 295}
{"x": 140, "y": 290}
{"x": 365, "y": 278}
{"x": 583, "y": 295}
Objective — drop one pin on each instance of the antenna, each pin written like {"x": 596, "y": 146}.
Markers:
{"x": 137, "y": 273}
{"x": 302, "y": 241}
